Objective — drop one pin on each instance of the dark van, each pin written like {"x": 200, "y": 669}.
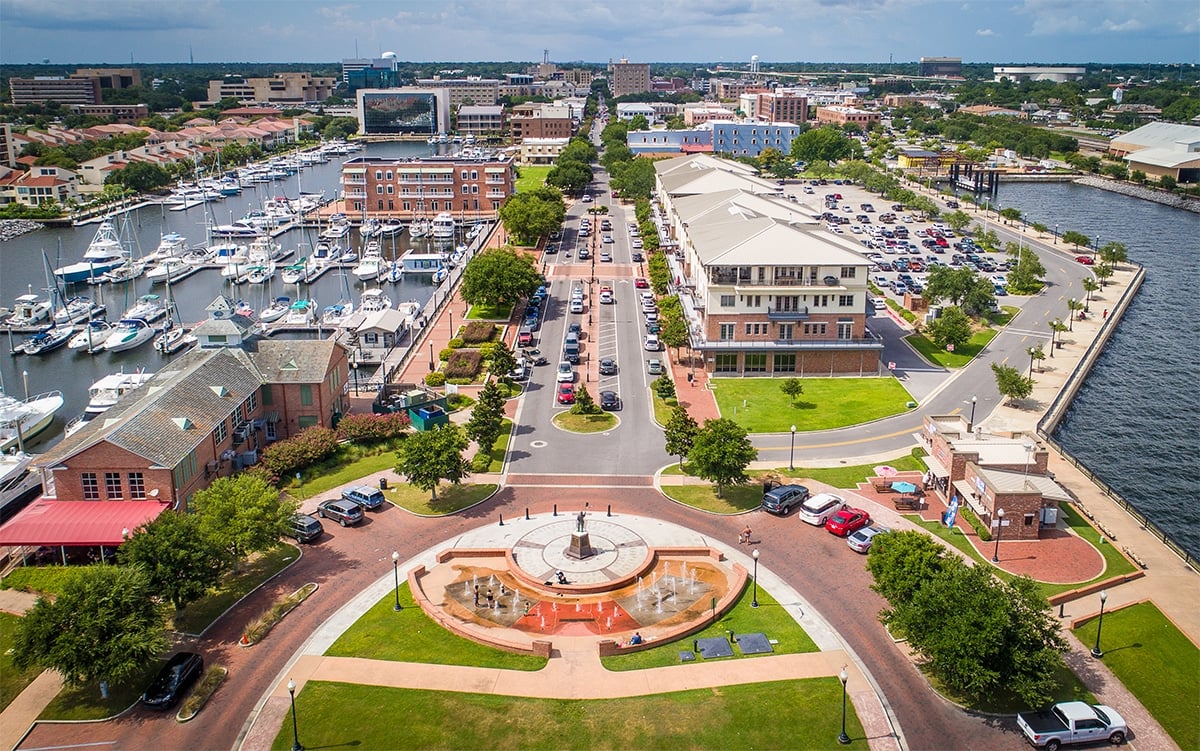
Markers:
{"x": 304, "y": 528}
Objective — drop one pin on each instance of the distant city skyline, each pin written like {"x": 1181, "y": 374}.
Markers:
{"x": 731, "y": 31}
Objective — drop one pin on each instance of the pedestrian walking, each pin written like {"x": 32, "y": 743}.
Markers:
{"x": 476, "y": 595}
{"x": 491, "y": 599}
{"x": 1104, "y": 316}
{"x": 745, "y": 536}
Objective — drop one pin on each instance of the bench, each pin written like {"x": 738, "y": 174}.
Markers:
{"x": 882, "y": 484}
{"x": 908, "y": 503}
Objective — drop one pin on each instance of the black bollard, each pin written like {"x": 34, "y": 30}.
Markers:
{"x": 526, "y": 513}
{"x": 502, "y": 520}
{"x": 556, "y": 509}
{"x": 610, "y": 509}
{"x": 1061, "y": 614}
{"x": 731, "y": 639}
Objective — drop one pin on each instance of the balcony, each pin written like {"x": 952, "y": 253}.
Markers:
{"x": 872, "y": 341}
{"x": 355, "y": 194}
{"x": 354, "y": 181}
{"x": 775, "y": 314}
{"x": 787, "y": 282}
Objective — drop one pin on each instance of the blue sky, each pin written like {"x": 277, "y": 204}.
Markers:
{"x": 1000, "y": 31}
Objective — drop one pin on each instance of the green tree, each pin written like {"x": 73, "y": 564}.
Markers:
{"x": 639, "y": 122}
{"x": 1035, "y": 353}
{"x": 680, "y": 432}
{"x": 952, "y": 327}
{"x": 528, "y": 216}
{"x": 663, "y": 387}
{"x": 242, "y": 514}
{"x": 1078, "y": 239}
{"x": 1010, "y": 215}
{"x": 721, "y": 452}
{"x": 957, "y": 220}
{"x": 1103, "y": 273}
{"x": 180, "y": 562}
{"x": 499, "y": 277}
{"x": 430, "y": 456}
{"x": 634, "y": 178}
{"x": 946, "y": 283}
{"x": 792, "y": 388}
{"x": 826, "y": 144}
{"x": 1113, "y": 253}
{"x": 1089, "y": 286}
{"x": 571, "y": 177}
{"x": 487, "y": 417}
{"x": 106, "y": 625}
{"x": 140, "y": 176}
{"x": 901, "y": 562}
{"x": 1025, "y": 277}
{"x": 502, "y": 363}
{"x": 584, "y": 403}
{"x": 1010, "y": 383}
{"x": 772, "y": 161}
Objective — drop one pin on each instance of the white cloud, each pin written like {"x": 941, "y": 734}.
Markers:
{"x": 984, "y": 33}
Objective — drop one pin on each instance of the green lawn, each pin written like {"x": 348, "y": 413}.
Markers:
{"x": 959, "y": 357}
{"x": 737, "y": 498}
{"x": 489, "y": 312}
{"x": 84, "y": 702}
{"x": 1155, "y": 661}
{"x": 450, "y": 498}
{"x": 410, "y": 636}
{"x": 663, "y": 408}
{"x": 585, "y": 423}
{"x": 796, "y": 714}
{"x": 12, "y": 680}
{"x": 758, "y": 404}
{"x": 1115, "y": 563}
{"x": 200, "y": 614}
{"x": 500, "y": 447}
{"x": 531, "y": 177}
{"x": 47, "y": 579}
{"x": 348, "y": 464}
{"x": 839, "y": 477}
{"x": 768, "y": 618}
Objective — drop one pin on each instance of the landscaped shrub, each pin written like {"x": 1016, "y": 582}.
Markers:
{"x": 456, "y": 343}
{"x": 366, "y": 428}
{"x": 445, "y": 354}
{"x": 477, "y": 332}
{"x": 310, "y": 446}
{"x": 664, "y": 387}
{"x": 463, "y": 364}
{"x": 435, "y": 379}
{"x": 459, "y": 401}
{"x": 487, "y": 348}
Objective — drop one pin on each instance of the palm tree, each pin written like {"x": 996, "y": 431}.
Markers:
{"x": 1072, "y": 305}
{"x": 1089, "y": 286}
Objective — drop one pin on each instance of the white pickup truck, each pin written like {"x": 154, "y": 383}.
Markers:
{"x": 1072, "y": 722}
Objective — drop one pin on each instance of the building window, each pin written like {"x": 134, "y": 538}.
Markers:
{"x": 391, "y": 190}
{"x": 267, "y": 397}
{"x": 845, "y": 300}
{"x": 378, "y": 174}
{"x": 814, "y": 329}
{"x": 137, "y": 486}
{"x": 785, "y": 362}
{"x": 754, "y": 362}
{"x": 91, "y": 488}
{"x": 112, "y": 486}
{"x": 726, "y": 363}
{"x": 306, "y": 395}
{"x": 786, "y": 331}
{"x": 845, "y": 329}
{"x": 849, "y": 272}
{"x": 728, "y": 301}
{"x": 307, "y": 421}
{"x": 219, "y": 433}
{"x": 725, "y": 332}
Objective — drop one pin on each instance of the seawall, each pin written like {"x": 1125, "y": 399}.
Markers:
{"x": 1174, "y": 200}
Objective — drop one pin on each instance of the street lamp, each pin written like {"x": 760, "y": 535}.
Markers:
{"x": 396, "y": 578}
{"x": 295, "y": 733}
{"x": 431, "y": 357}
{"x": 450, "y": 317}
{"x": 971, "y": 422}
{"x": 754, "y": 599}
{"x": 1029, "y": 449}
{"x": 792, "y": 450}
{"x": 999, "y": 526}
{"x": 1056, "y": 234}
{"x": 1071, "y": 314}
{"x": 843, "y": 677}
{"x": 1099, "y": 625}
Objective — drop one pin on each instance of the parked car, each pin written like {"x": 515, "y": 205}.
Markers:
{"x": 641, "y": 283}
{"x": 565, "y": 374}
{"x": 860, "y": 540}
{"x": 566, "y": 393}
{"x": 782, "y": 499}
{"x": 606, "y": 297}
{"x": 606, "y": 239}
{"x": 304, "y": 528}
{"x": 846, "y": 521}
{"x": 576, "y": 306}
{"x": 608, "y": 366}
{"x": 610, "y": 401}
{"x": 364, "y": 495}
{"x": 520, "y": 372}
{"x": 652, "y": 344}
{"x": 654, "y": 366}
{"x": 817, "y": 509}
{"x": 1085, "y": 260}
{"x": 637, "y": 257}
{"x": 1072, "y": 722}
{"x": 606, "y": 258}
{"x": 168, "y": 687}
{"x": 341, "y": 511}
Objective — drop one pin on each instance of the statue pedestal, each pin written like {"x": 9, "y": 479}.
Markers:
{"x": 580, "y": 547}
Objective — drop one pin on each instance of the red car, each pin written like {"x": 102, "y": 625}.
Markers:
{"x": 846, "y": 521}
{"x": 641, "y": 283}
{"x": 566, "y": 393}
{"x": 1085, "y": 260}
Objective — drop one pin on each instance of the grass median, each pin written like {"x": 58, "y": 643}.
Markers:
{"x": 12, "y": 680}
{"x": 760, "y": 406}
{"x": 450, "y": 498}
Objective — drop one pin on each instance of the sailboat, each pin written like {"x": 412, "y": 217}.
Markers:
{"x": 175, "y": 336}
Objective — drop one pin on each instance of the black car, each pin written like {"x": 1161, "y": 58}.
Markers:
{"x": 638, "y": 257}
{"x": 609, "y": 401}
{"x": 608, "y": 366}
{"x": 173, "y": 680}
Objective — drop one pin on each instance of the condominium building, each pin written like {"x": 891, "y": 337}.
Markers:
{"x": 472, "y": 188}
{"x": 8, "y": 149}
{"x": 1018, "y": 73}
{"x": 628, "y": 78}
{"x": 750, "y": 138}
{"x": 481, "y": 119}
{"x": 542, "y": 121}
{"x": 469, "y": 90}
{"x": 42, "y": 89}
{"x": 729, "y": 89}
{"x": 282, "y": 88}
{"x": 781, "y": 108}
{"x": 765, "y": 289}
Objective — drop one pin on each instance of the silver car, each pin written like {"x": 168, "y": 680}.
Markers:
{"x": 860, "y": 540}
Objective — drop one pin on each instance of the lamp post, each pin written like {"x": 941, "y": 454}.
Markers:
{"x": 1071, "y": 314}
{"x": 1056, "y": 234}
{"x": 999, "y": 526}
{"x": 754, "y": 599}
{"x": 396, "y": 578}
{"x": 450, "y": 317}
{"x": 1099, "y": 625}
{"x": 792, "y": 450}
{"x": 843, "y": 677}
{"x": 295, "y": 732}
{"x": 431, "y": 357}
{"x": 1029, "y": 449}
{"x": 971, "y": 422}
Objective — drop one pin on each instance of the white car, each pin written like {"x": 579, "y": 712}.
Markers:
{"x": 652, "y": 343}
{"x": 566, "y": 374}
{"x": 860, "y": 540}
{"x": 817, "y": 509}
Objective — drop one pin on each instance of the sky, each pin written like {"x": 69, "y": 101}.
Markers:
{"x": 997, "y": 31}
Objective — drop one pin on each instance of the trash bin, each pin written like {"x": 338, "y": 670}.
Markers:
{"x": 383, "y": 483}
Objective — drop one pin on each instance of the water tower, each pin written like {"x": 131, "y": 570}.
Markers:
{"x": 754, "y": 65}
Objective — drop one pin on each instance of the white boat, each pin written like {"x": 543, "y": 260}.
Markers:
{"x": 336, "y": 315}
{"x": 29, "y": 310}
{"x": 199, "y": 256}
{"x": 260, "y": 220}
{"x": 302, "y": 272}
{"x": 170, "y": 245}
{"x": 440, "y": 275}
{"x": 276, "y": 310}
{"x": 229, "y": 254}
{"x": 126, "y": 272}
{"x": 442, "y": 226}
{"x": 368, "y": 267}
{"x": 374, "y": 300}
{"x": 338, "y": 227}
{"x": 28, "y": 418}
{"x": 77, "y": 309}
{"x": 260, "y": 273}
{"x": 237, "y": 229}
{"x": 389, "y": 227}
{"x": 147, "y": 308}
{"x": 419, "y": 228}
{"x": 17, "y": 480}
{"x": 103, "y": 254}
{"x": 91, "y": 337}
{"x": 46, "y": 341}
{"x": 369, "y": 229}
{"x": 127, "y": 334}
{"x": 266, "y": 249}
{"x": 105, "y": 392}
{"x": 171, "y": 269}
{"x": 475, "y": 231}
{"x": 301, "y": 313}
{"x": 174, "y": 339}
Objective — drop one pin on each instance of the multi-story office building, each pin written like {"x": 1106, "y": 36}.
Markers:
{"x": 729, "y": 89}
{"x": 8, "y": 149}
{"x": 469, "y": 90}
{"x": 542, "y": 121}
{"x": 941, "y": 67}
{"x": 42, "y": 89}
{"x": 1018, "y": 73}
{"x": 693, "y": 140}
{"x": 281, "y": 88}
{"x": 542, "y": 150}
{"x": 750, "y": 138}
{"x": 469, "y": 188}
{"x": 121, "y": 113}
{"x": 765, "y": 289}
{"x": 702, "y": 113}
{"x": 781, "y": 108}
{"x": 112, "y": 78}
{"x": 481, "y": 119}
{"x": 404, "y": 111}
{"x": 628, "y": 78}
{"x": 840, "y": 115}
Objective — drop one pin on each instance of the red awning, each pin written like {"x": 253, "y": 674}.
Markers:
{"x": 77, "y": 523}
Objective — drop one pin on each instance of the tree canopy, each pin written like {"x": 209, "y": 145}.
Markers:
{"x": 528, "y": 216}
{"x": 720, "y": 453}
{"x": 826, "y": 144}
{"x": 430, "y": 456}
{"x": 1011, "y": 383}
{"x": 952, "y": 327}
{"x": 180, "y": 562}
{"x": 499, "y": 277}
{"x": 242, "y": 514}
{"x": 680, "y": 432}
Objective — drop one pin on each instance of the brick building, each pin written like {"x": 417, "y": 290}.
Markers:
{"x": 470, "y": 188}
{"x": 481, "y": 119}
{"x": 840, "y": 115}
{"x": 628, "y": 78}
{"x": 543, "y": 121}
{"x": 781, "y": 108}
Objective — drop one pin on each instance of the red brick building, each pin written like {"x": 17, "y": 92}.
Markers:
{"x": 782, "y": 108}
{"x": 469, "y": 188}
